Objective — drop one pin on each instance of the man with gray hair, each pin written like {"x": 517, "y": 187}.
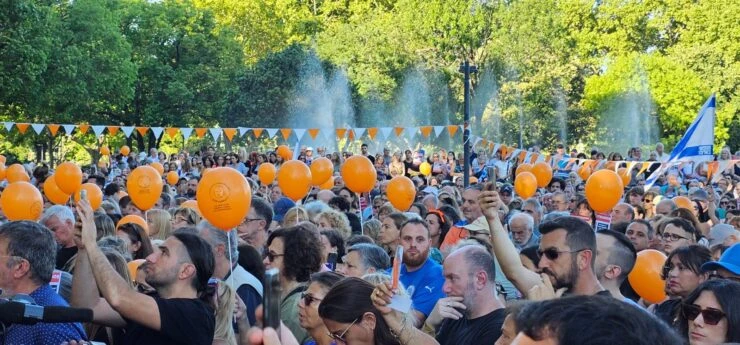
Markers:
{"x": 665, "y": 207}
{"x": 534, "y": 209}
{"x": 226, "y": 268}
{"x": 61, "y": 221}
{"x": 521, "y": 227}
{"x": 364, "y": 258}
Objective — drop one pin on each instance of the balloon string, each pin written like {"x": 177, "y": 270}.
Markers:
{"x": 359, "y": 202}
{"x": 231, "y": 262}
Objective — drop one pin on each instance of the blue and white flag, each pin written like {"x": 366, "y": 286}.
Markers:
{"x": 696, "y": 145}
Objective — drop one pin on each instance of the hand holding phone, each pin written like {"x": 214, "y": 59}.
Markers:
{"x": 271, "y": 299}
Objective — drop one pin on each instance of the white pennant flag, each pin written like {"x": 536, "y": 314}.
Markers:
{"x": 157, "y": 131}
{"x": 411, "y": 131}
{"x": 271, "y": 132}
{"x": 127, "y": 130}
{"x": 215, "y": 133}
{"x": 527, "y": 157}
{"x": 38, "y": 127}
{"x": 98, "y": 130}
{"x": 475, "y": 141}
{"x": 329, "y": 134}
{"x": 186, "y": 132}
{"x": 359, "y": 132}
{"x": 69, "y": 129}
{"x": 9, "y": 126}
{"x": 243, "y": 131}
{"x": 299, "y": 133}
{"x": 438, "y": 130}
{"x": 495, "y": 149}
{"x": 515, "y": 153}
{"x": 385, "y": 132}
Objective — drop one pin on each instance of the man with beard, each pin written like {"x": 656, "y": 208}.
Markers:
{"x": 567, "y": 254}
{"x": 192, "y": 187}
{"x": 421, "y": 275}
{"x": 471, "y": 313}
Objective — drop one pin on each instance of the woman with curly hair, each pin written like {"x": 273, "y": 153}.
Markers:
{"x": 333, "y": 219}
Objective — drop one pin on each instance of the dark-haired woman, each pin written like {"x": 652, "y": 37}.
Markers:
{"x": 682, "y": 274}
{"x": 710, "y": 315}
{"x": 308, "y": 307}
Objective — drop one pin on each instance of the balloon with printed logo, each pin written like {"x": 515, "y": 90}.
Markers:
{"x": 285, "y": 152}
{"x": 94, "y": 194}
{"x": 125, "y": 150}
{"x": 425, "y": 168}
{"x": 624, "y": 176}
{"x": 401, "y": 192}
{"x": 294, "y": 179}
{"x": 53, "y": 193}
{"x": 224, "y": 197}
{"x": 144, "y": 186}
{"x": 645, "y": 276}
{"x": 68, "y": 177}
{"x": 543, "y": 172}
{"x": 158, "y": 167}
{"x": 321, "y": 170}
{"x": 22, "y": 201}
{"x": 104, "y": 150}
{"x": 329, "y": 184}
{"x": 172, "y": 178}
{"x": 525, "y": 185}
{"x": 683, "y": 202}
{"x": 266, "y": 173}
{"x": 522, "y": 168}
{"x": 133, "y": 267}
{"x": 132, "y": 218}
{"x": 359, "y": 174}
{"x": 604, "y": 189}
{"x": 17, "y": 173}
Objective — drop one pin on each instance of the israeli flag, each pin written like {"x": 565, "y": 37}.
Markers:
{"x": 696, "y": 145}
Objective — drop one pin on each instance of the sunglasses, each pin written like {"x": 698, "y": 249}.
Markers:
{"x": 711, "y": 316}
{"x": 553, "y": 254}
{"x": 340, "y": 337}
{"x": 308, "y": 299}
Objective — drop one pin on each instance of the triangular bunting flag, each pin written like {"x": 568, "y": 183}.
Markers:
{"x": 341, "y": 133}
{"x": 200, "y": 132}
{"x": 522, "y": 156}
{"x": 53, "y": 129}
{"x": 98, "y": 130}
{"x": 438, "y": 130}
{"x": 186, "y": 132}
{"x": 351, "y": 135}
{"x": 257, "y": 132}
{"x": 38, "y": 127}
{"x": 411, "y": 131}
{"x": 385, "y": 132}
{"x": 9, "y": 126}
{"x": 243, "y": 131}
{"x": 286, "y": 133}
{"x": 83, "y": 128}
{"x": 372, "y": 132}
{"x": 271, "y": 132}
{"x": 215, "y": 133}
{"x": 172, "y": 132}
{"x": 398, "y": 131}
{"x": 22, "y": 127}
{"x": 142, "y": 130}
{"x": 157, "y": 131}
{"x": 452, "y": 130}
{"x": 127, "y": 130}
{"x": 495, "y": 149}
{"x": 712, "y": 167}
{"x": 68, "y": 129}
{"x": 359, "y": 132}
{"x": 425, "y": 131}
{"x": 313, "y": 132}
{"x": 229, "y": 133}
{"x": 299, "y": 133}
{"x": 113, "y": 130}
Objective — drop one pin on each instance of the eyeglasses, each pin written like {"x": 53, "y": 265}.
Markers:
{"x": 341, "y": 336}
{"x": 248, "y": 220}
{"x": 672, "y": 237}
{"x": 553, "y": 254}
{"x": 308, "y": 299}
{"x": 711, "y": 316}
{"x": 271, "y": 256}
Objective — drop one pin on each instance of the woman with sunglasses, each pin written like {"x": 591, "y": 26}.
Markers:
{"x": 710, "y": 315}
{"x": 682, "y": 274}
{"x": 352, "y": 318}
{"x": 308, "y": 307}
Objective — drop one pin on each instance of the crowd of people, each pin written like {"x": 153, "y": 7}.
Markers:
{"x": 480, "y": 264}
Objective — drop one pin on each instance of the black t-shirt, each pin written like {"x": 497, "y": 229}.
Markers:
{"x": 184, "y": 321}
{"x": 371, "y": 158}
{"x": 483, "y": 330}
{"x": 64, "y": 255}
{"x": 409, "y": 167}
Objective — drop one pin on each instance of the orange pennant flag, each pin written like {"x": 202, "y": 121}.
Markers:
{"x": 452, "y": 129}
{"x": 142, "y": 130}
{"x": 341, "y": 132}
{"x": 533, "y": 158}
{"x": 229, "y": 133}
{"x": 426, "y": 131}
{"x": 22, "y": 127}
{"x": 172, "y": 132}
{"x": 351, "y": 134}
{"x": 313, "y": 132}
{"x": 200, "y": 132}
{"x": 83, "y": 128}
{"x": 257, "y": 132}
{"x": 372, "y": 132}
{"x": 547, "y": 159}
{"x": 113, "y": 130}
{"x": 712, "y": 167}
{"x": 398, "y": 131}
{"x": 522, "y": 154}
{"x": 504, "y": 151}
{"x": 286, "y": 132}
{"x": 53, "y": 129}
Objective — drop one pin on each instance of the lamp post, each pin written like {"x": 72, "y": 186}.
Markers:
{"x": 466, "y": 69}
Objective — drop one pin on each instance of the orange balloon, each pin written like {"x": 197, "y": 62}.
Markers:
{"x": 329, "y": 184}
{"x": 144, "y": 186}
{"x": 266, "y": 172}
{"x": 294, "y": 179}
{"x": 158, "y": 167}
{"x": 425, "y": 168}
{"x": 401, "y": 192}
{"x": 17, "y": 173}
{"x": 94, "y": 195}
{"x": 321, "y": 171}
{"x": 645, "y": 276}
{"x": 191, "y": 204}
{"x": 125, "y": 150}
{"x": 53, "y": 193}
{"x": 22, "y": 201}
{"x": 3, "y": 170}
{"x": 585, "y": 171}
{"x": 609, "y": 165}
{"x": 132, "y": 218}
{"x": 224, "y": 197}
{"x": 104, "y": 150}
{"x": 285, "y": 152}
{"x": 543, "y": 172}
{"x": 626, "y": 178}
{"x": 172, "y": 178}
{"x": 684, "y": 202}
{"x": 525, "y": 185}
{"x": 68, "y": 177}
{"x": 604, "y": 189}
{"x": 359, "y": 174}
{"x": 522, "y": 168}
{"x": 133, "y": 267}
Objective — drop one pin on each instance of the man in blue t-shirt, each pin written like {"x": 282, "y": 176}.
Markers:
{"x": 421, "y": 276}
